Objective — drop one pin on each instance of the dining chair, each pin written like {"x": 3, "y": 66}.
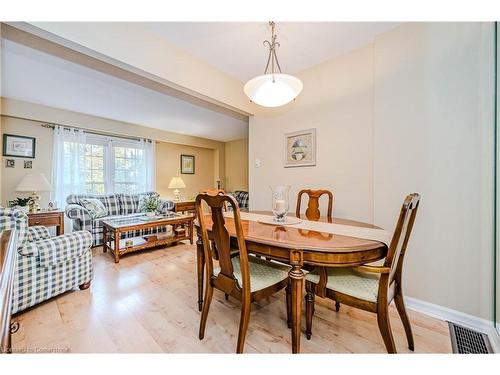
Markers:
{"x": 212, "y": 191}
{"x": 312, "y": 211}
{"x": 244, "y": 277}
{"x": 370, "y": 287}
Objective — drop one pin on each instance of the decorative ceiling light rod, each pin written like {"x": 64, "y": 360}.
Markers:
{"x": 272, "y": 50}
{"x": 273, "y": 89}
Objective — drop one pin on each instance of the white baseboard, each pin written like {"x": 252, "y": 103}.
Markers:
{"x": 457, "y": 317}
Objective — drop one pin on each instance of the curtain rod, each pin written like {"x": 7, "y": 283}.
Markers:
{"x": 52, "y": 125}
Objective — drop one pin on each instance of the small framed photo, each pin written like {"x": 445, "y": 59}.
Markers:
{"x": 28, "y": 164}
{"x": 187, "y": 164}
{"x": 300, "y": 148}
{"x": 19, "y": 146}
{"x": 10, "y": 163}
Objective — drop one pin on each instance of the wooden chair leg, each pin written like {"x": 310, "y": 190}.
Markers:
{"x": 245, "y": 318}
{"x": 385, "y": 329}
{"x": 288, "y": 292}
{"x": 226, "y": 296}
{"x": 209, "y": 291}
{"x": 337, "y": 306}
{"x": 309, "y": 311}
{"x": 400, "y": 305}
{"x": 200, "y": 264}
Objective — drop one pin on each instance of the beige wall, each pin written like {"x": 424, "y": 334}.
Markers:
{"x": 336, "y": 100}
{"x": 168, "y": 166}
{"x": 48, "y": 114}
{"x": 209, "y": 154}
{"x": 236, "y": 155}
{"x": 41, "y": 164}
{"x": 1, "y": 119}
{"x": 433, "y": 127}
{"x": 410, "y": 112}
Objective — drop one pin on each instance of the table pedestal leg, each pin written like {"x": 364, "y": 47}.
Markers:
{"x": 297, "y": 282}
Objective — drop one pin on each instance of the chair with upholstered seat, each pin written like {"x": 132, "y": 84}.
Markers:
{"x": 244, "y": 277}
{"x": 314, "y": 214}
{"x": 312, "y": 211}
{"x": 371, "y": 288}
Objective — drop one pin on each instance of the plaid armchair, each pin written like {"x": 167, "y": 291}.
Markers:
{"x": 46, "y": 266}
{"x": 118, "y": 205}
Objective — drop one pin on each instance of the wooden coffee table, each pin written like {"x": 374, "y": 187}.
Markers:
{"x": 182, "y": 225}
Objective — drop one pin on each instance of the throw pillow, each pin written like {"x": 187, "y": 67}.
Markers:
{"x": 95, "y": 207}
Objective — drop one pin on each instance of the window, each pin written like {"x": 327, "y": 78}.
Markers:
{"x": 128, "y": 162}
{"x": 86, "y": 163}
{"x": 110, "y": 165}
{"x": 94, "y": 169}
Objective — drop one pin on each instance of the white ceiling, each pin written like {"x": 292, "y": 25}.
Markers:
{"x": 33, "y": 76}
{"x": 236, "y": 48}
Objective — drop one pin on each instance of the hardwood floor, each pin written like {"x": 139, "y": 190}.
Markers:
{"x": 147, "y": 303}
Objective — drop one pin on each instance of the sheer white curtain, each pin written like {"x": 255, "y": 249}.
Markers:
{"x": 68, "y": 164}
{"x": 147, "y": 167}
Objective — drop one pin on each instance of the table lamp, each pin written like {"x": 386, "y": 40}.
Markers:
{"x": 176, "y": 183}
{"x": 33, "y": 183}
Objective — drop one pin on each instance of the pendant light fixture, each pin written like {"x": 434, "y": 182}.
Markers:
{"x": 273, "y": 88}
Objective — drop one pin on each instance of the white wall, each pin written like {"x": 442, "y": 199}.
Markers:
{"x": 157, "y": 56}
{"x": 337, "y": 100}
{"x": 431, "y": 137}
{"x": 411, "y": 112}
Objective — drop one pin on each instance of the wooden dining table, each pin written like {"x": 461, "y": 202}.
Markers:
{"x": 297, "y": 247}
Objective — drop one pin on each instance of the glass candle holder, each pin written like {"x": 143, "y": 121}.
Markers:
{"x": 280, "y": 202}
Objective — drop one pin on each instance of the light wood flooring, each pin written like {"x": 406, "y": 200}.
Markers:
{"x": 147, "y": 303}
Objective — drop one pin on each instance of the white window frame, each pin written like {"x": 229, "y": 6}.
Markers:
{"x": 109, "y": 144}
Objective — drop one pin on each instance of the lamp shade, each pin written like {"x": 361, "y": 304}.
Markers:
{"x": 273, "y": 90}
{"x": 176, "y": 183}
{"x": 34, "y": 182}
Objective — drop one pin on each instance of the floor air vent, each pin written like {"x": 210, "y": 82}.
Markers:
{"x": 467, "y": 341}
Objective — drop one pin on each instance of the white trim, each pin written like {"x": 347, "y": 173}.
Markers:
{"x": 457, "y": 317}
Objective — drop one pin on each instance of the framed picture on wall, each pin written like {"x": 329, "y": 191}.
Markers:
{"x": 187, "y": 164}
{"x": 300, "y": 148}
{"x": 19, "y": 146}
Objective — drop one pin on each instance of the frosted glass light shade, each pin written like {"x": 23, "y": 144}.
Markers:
{"x": 176, "y": 183}
{"x": 34, "y": 182}
{"x": 268, "y": 93}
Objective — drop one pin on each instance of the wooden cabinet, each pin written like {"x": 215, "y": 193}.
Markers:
{"x": 48, "y": 219}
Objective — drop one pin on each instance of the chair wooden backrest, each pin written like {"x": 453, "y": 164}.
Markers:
{"x": 225, "y": 280}
{"x": 312, "y": 211}
{"x": 399, "y": 241}
{"x": 214, "y": 192}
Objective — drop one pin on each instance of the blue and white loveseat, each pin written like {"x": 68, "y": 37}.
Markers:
{"x": 46, "y": 266}
{"x": 117, "y": 206}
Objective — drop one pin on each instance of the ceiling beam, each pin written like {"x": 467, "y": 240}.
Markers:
{"x": 36, "y": 38}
